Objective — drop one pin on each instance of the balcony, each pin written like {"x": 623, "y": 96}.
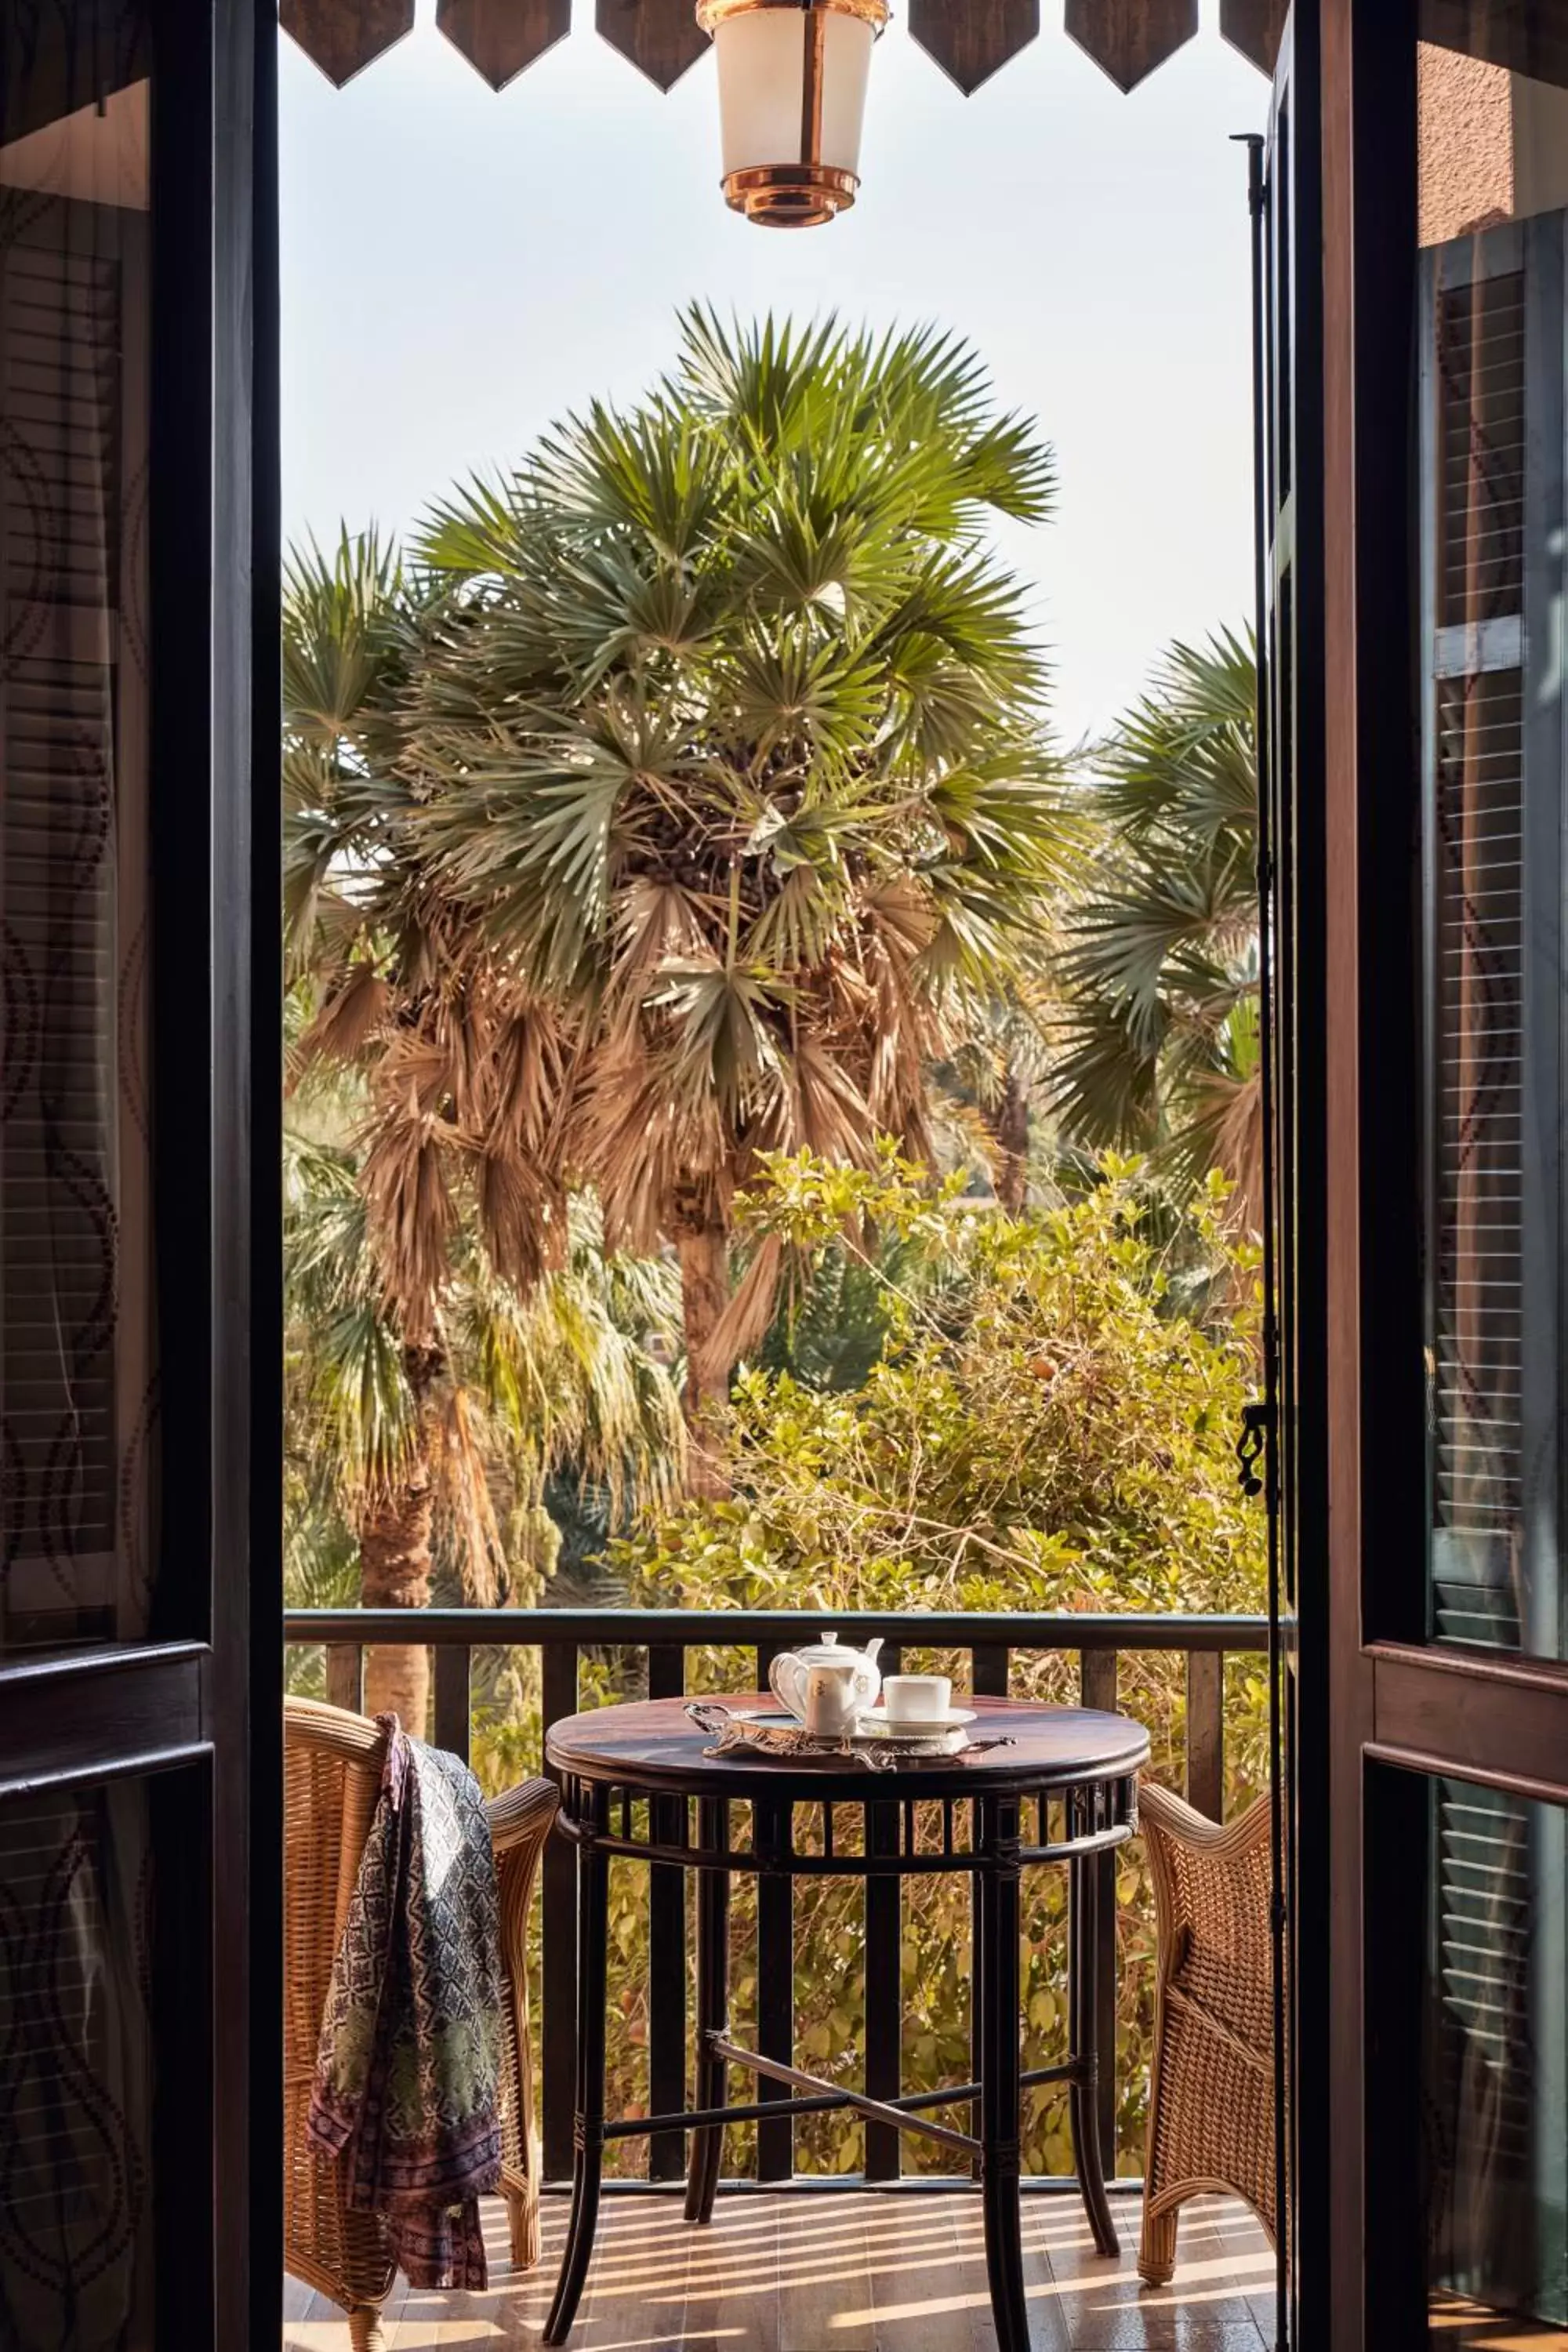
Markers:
{"x": 798, "y": 2260}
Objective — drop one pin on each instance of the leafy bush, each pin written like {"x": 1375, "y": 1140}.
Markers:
{"x": 1045, "y": 1429}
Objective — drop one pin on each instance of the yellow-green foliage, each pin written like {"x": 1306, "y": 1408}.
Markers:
{"x": 1047, "y": 1429}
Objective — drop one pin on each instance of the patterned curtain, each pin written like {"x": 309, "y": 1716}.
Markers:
{"x": 75, "y": 2073}
{"x": 78, "y": 1397}
{"x": 78, "y": 1390}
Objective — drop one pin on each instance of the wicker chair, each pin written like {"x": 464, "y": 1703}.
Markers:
{"x": 332, "y": 1764}
{"x": 1211, "y": 2101}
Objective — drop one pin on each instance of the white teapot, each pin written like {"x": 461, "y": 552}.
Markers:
{"x": 825, "y": 1686}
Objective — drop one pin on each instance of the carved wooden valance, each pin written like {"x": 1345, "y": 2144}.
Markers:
{"x": 970, "y": 39}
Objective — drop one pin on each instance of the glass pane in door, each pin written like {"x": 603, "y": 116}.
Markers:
{"x": 1495, "y": 2063}
{"x": 1493, "y": 373}
{"x": 76, "y": 2071}
{"x": 77, "y": 1386}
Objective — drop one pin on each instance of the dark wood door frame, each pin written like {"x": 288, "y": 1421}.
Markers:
{"x": 1398, "y": 1711}
{"x": 1367, "y": 260}
{"x": 196, "y": 1710}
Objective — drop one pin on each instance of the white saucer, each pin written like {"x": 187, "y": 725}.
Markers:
{"x": 912, "y": 1727}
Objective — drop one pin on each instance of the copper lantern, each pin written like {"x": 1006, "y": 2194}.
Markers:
{"x": 791, "y": 99}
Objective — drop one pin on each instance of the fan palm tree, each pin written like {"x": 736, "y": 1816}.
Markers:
{"x": 998, "y": 1068}
{"x": 670, "y": 805}
{"x": 1158, "y": 968}
{"x": 723, "y": 785}
{"x": 408, "y": 1442}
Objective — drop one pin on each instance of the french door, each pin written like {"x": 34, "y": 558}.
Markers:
{"x": 138, "y": 1914}
{"x": 1425, "y": 1039}
{"x": 1290, "y": 585}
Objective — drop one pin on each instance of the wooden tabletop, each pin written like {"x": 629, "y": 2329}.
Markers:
{"x": 654, "y": 1744}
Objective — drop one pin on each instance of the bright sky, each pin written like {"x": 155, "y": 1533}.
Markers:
{"x": 460, "y": 268}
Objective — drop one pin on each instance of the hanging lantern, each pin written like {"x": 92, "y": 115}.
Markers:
{"x": 792, "y": 98}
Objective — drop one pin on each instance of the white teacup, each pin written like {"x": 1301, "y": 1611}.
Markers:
{"x": 917, "y": 1699}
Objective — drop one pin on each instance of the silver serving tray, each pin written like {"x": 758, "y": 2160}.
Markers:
{"x": 780, "y": 1736}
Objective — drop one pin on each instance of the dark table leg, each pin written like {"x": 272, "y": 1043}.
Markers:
{"x": 1000, "y": 2121}
{"x": 1083, "y": 2035}
{"x": 712, "y": 2007}
{"x": 588, "y": 2129}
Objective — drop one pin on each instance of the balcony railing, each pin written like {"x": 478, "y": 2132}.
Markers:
{"x": 561, "y": 1636}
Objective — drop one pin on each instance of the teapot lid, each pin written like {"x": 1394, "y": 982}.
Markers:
{"x": 827, "y": 1647}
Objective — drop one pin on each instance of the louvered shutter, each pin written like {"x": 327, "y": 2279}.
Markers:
{"x": 1494, "y": 569}
{"x": 75, "y": 1355}
{"x": 1493, "y": 409}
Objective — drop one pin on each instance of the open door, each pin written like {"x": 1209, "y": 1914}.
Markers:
{"x": 139, "y": 1722}
{"x": 1432, "y": 1933}
{"x": 1288, "y": 295}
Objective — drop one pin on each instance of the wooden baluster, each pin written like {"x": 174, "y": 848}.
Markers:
{"x": 772, "y": 1828}
{"x": 345, "y": 1676}
{"x": 1205, "y": 1732}
{"x": 454, "y": 1662}
{"x": 884, "y": 1970}
{"x": 989, "y": 1666}
{"x": 666, "y": 1947}
{"x": 1097, "y": 1684}
{"x": 559, "y": 1906}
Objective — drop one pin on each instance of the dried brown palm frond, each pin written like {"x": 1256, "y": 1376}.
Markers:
{"x": 412, "y": 1213}
{"x": 465, "y": 1508}
{"x": 357, "y": 1012}
{"x": 743, "y": 1324}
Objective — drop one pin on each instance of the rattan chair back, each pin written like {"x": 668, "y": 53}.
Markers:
{"x": 1211, "y": 2101}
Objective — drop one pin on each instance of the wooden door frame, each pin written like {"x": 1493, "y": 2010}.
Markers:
{"x": 1399, "y": 1711}
{"x": 1368, "y": 258}
{"x": 197, "y": 1711}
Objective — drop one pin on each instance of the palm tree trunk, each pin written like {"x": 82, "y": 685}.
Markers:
{"x": 395, "y": 1567}
{"x": 394, "y": 1573}
{"x": 704, "y": 1252}
{"x": 1009, "y": 1126}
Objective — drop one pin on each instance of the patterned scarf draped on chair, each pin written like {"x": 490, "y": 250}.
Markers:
{"x": 405, "y": 2095}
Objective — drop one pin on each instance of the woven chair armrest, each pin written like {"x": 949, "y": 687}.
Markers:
{"x": 1173, "y": 1817}
{"x": 518, "y": 1828}
{"x": 522, "y": 1817}
{"x": 519, "y": 1824}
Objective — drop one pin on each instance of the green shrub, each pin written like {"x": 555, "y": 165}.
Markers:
{"x": 1044, "y": 1429}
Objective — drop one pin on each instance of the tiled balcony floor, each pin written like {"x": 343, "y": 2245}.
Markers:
{"x": 851, "y": 2272}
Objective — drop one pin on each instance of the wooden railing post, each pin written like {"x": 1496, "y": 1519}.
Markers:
{"x": 884, "y": 1978}
{"x": 989, "y": 1663}
{"x": 775, "y": 1969}
{"x": 345, "y": 1676}
{"x": 454, "y": 1662}
{"x": 1097, "y": 1684}
{"x": 559, "y": 1898}
{"x": 666, "y": 1946}
{"x": 1205, "y": 1732}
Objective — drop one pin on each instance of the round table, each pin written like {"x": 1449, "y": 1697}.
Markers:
{"x": 1063, "y": 1789}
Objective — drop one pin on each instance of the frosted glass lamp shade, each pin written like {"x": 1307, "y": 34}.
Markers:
{"x": 792, "y": 101}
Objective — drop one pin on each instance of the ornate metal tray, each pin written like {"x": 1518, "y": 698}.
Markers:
{"x": 780, "y": 1736}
